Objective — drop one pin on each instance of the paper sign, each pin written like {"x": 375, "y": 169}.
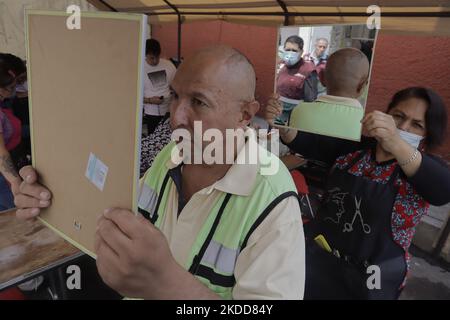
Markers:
{"x": 96, "y": 171}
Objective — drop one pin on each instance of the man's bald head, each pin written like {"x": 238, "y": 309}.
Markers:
{"x": 231, "y": 69}
{"x": 346, "y": 72}
{"x": 216, "y": 85}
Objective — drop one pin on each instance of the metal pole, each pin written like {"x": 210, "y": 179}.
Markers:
{"x": 285, "y": 10}
{"x": 444, "y": 14}
{"x": 177, "y": 12}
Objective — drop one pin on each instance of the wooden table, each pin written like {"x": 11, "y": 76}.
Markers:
{"x": 28, "y": 249}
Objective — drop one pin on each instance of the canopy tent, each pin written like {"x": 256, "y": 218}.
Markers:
{"x": 430, "y": 17}
{"x": 401, "y": 15}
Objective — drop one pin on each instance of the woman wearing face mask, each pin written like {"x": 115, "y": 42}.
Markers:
{"x": 21, "y": 155}
{"x": 9, "y": 137}
{"x": 377, "y": 192}
{"x": 294, "y": 78}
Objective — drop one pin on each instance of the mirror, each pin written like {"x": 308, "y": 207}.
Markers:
{"x": 322, "y": 78}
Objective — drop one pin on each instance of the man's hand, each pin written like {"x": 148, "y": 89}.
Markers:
{"x": 15, "y": 186}
{"x": 30, "y": 196}
{"x": 133, "y": 258}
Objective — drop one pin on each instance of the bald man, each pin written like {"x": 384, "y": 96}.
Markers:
{"x": 346, "y": 76}
{"x": 206, "y": 230}
{"x": 347, "y": 73}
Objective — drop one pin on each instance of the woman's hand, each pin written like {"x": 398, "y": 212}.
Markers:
{"x": 382, "y": 127}
{"x": 32, "y": 196}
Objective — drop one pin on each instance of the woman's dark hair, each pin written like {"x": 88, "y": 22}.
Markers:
{"x": 295, "y": 39}
{"x": 10, "y": 62}
{"x": 435, "y": 116}
{"x": 16, "y": 64}
{"x": 153, "y": 47}
{"x": 5, "y": 76}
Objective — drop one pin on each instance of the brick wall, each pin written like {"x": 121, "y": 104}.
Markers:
{"x": 257, "y": 43}
{"x": 404, "y": 61}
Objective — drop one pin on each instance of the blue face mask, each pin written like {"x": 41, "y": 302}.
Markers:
{"x": 22, "y": 88}
{"x": 291, "y": 57}
{"x": 411, "y": 138}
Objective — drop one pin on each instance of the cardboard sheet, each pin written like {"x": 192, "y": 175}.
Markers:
{"x": 85, "y": 113}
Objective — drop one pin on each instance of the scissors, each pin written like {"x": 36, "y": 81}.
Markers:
{"x": 348, "y": 227}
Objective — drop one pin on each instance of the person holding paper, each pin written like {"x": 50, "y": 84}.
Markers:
{"x": 377, "y": 192}
{"x": 159, "y": 73}
{"x": 296, "y": 80}
{"x": 226, "y": 229}
{"x": 152, "y": 144}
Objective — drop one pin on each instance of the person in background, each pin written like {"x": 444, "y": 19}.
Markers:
{"x": 159, "y": 73}
{"x": 346, "y": 76}
{"x": 377, "y": 192}
{"x": 9, "y": 136}
{"x": 319, "y": 58}
{"x": 21, "y": 155}
{"x": 319, "y": 55}
{"x": 296, "y": 79}
{"x": 152, "y": 144}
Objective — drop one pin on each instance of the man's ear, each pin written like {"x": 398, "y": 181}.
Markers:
{"x": 362, "y": 84}
{"x": 248, "y": 111}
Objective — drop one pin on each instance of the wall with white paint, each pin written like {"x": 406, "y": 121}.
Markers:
{"x": 12, "y": 37}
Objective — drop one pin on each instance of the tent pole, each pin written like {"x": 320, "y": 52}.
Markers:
{"x": 107, "y": 5}
{"x": 442, "y": 14}
{"x": 179, "y": 39}
{"x": 286, "y": 12}
{"x": 179, "y": 28}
